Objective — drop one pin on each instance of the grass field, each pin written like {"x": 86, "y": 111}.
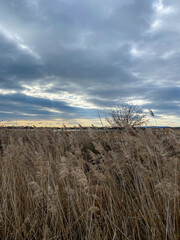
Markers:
{"x": 90, "y": 185}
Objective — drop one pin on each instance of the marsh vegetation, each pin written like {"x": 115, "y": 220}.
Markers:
{"x": 90, "y": 185}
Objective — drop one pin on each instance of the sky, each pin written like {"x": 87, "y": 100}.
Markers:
{"x": 66, "y": 61}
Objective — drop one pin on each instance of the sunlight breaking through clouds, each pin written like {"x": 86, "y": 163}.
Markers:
{"x": 71, "y": 59}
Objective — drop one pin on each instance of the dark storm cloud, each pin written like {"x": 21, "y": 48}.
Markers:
{"x": 106, "y": 51}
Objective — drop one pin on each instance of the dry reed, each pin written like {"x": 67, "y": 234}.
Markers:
{"x": 90, "y": 184}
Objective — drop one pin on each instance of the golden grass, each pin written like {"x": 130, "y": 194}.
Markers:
{"x": 90, "y": 184}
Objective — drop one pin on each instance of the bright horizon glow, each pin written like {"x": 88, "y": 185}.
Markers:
{"x": 170, "y": 122}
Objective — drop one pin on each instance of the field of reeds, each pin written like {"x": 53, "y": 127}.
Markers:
{"x": 90, "y": 184}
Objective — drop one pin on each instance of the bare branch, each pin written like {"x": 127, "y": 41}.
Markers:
{"x": 126, "y": 114}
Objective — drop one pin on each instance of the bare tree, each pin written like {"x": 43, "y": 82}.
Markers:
{"x": 126, "y": 115}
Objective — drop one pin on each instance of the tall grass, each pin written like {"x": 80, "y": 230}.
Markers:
{"x": 90, "y": 184}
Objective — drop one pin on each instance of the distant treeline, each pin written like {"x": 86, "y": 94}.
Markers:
{"x": 84, "y": 128}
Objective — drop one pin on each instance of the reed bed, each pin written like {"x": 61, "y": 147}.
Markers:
{"x": 90, "y": 184}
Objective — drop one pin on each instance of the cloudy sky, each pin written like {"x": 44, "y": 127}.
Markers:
{"x": 63, "y": 61}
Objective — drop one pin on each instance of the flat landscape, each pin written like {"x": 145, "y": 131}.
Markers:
{"x": 89, "y": 120}
{"x": 90, "y": 184}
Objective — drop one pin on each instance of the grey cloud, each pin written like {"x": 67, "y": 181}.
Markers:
{"x": 16, "y": 65}
{"x": 35, "y": 108}
{"x": 165, "y": 108}
{"x": 86, "y": 48}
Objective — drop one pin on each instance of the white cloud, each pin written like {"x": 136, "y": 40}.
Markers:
{"x": 156, "y": 24}
{"x": 161, "y": 9}
{"x": 5, "y": 91}
{"x": 73, "y": 100}
{"x": 136, "y": 52}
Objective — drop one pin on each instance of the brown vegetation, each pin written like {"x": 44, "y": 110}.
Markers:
{"x": 89, "y": 184}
